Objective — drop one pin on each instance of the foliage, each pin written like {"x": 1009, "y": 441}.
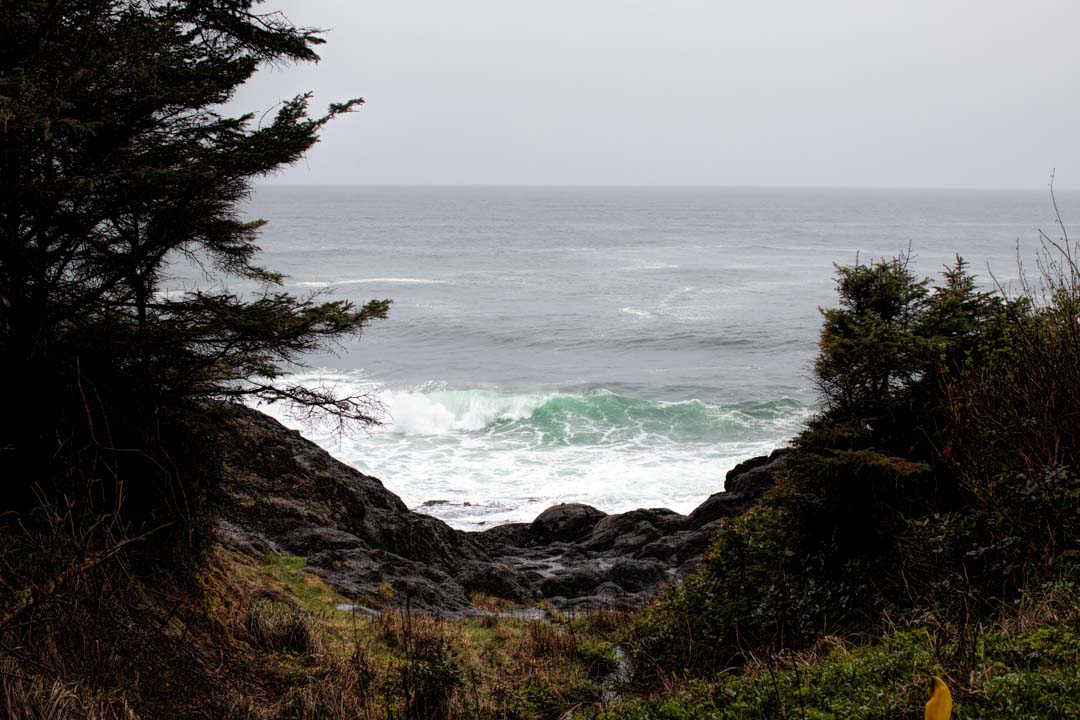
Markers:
{"x": 939, "y": 479}
{"x": 597, "y": 657}
{"x": 885, "y": 349}
{"x": 870, "y": 350}
{"x": 116, "y": 161}
{"x": 1029, "y": 675}
{"x": 814, "y": 557}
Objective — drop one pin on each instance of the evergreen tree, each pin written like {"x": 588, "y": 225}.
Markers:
{"x": 870, "y": 349}
{"x": 116, "y": 159}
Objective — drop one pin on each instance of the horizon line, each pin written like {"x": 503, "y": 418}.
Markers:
{"x": 665, "y": 186}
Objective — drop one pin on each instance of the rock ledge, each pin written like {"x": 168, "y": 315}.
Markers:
{"x": 285, "y": 494}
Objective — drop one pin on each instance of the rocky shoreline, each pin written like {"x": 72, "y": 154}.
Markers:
{"x": 284, "y": 494}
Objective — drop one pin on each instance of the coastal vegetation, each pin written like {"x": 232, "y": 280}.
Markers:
{"x": 924, "y": 523}
{"x": 935, "y": 500}
{"x": 116, "y": 163}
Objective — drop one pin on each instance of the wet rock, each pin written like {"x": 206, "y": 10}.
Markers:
{"x": 744, "y": 466}
{"x": 308, "y": 540}
{"x": 502, "y": 536}
{"x": 636, "y": 575}
{"x": 573, "y": 583}
{"x": 628, "y": 532}
{"x": 756, "y": 480}
{"x": 566, "y": 522}
{"x": 499, "y": 580}
{"x": 286, "y": 495}
{"x": 741, "y": 489}
{"x": 626, "y": 558}
{"x": 719, "y": 505}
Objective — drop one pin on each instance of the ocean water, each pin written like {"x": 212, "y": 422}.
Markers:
{"x": 619, "y": 347}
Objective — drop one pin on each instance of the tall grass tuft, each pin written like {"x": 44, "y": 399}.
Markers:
{"x": 280, "y": 627}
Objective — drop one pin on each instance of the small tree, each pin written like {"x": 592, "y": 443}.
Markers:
{"x": 889, "y": 352}
{"x": 870, "y": 348}
{"x": 962, "y": 323}
{"x": 115, "y": 159}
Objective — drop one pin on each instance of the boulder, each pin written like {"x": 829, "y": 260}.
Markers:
{"x": 498, "y": 580}
{"x": 636, "y": 575}
{"x": 566, "y": 522}
{"x": 573, "y": 583}
{"x": 746, "y": 482}
{"x": 756, "y": 480}
{"x": 628, "y": 532}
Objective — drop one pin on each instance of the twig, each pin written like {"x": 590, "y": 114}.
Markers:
{"x": 36, "y": 595}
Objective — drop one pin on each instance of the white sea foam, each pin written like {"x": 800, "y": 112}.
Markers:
{"x": 446, "y": 411}
{"x": 510, "y": 455}
{"x": 645, "y": 266}
{"x": 370, "y": 281}
{"x": 643, "y": 314}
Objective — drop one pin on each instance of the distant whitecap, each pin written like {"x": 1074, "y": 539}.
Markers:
{"x": 646, "y": 266}
{"x": 366, "y": 281}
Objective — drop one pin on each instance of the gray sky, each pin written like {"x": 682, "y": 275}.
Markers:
{"x": 886, "y": 93}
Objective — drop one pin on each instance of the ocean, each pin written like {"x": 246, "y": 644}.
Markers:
{"x": 621, "y": 347}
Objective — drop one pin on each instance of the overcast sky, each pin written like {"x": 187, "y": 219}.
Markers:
{"x": 849, "y": 93}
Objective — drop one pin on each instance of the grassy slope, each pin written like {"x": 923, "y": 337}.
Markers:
{"x": 1026, "y": 667}
{"x": 1028, "y": 675}
{"x": 262, "y": 638}
{"x": 331, "y": 658}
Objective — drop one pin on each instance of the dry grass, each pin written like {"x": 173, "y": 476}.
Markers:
{"x": 263, "y": 639}
{"x": 280, "y": 627}
{"x": 344, "y": 689}
{"x": 37, "y": 698}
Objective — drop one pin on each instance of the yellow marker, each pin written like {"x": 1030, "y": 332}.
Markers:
{"x": 940, "y": 705}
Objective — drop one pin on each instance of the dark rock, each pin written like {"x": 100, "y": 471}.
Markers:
{"x": 284, "y": 494}
{"x": 502, "y": 536}
{"x": 663, "y": 549}
{"x": 307, "y": 540}
{"x": 747, "y": 482}
{"x": 566, "y": 522}
{"x": 720, "y": 505}
{"x": 608, "y": 589}
{"x": 693, "y": 544}
{"x": 755, "y": 481}
{"x": 636, "y": 575}
{"x": 498, "y": 580}
{"x": 571, "y": 584}
{"x": 628, "y": 532}
{"x": 744, "y": 466}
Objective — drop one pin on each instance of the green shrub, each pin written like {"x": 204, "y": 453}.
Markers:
{"x": 598, "y": 657}
{"x": 814, "y": 557}
{"x": 1031, "y": 675}
{"x": 429, "y": 677}
{"x": 871, "y": 350}
{"x": 548, "y": 701}
{"x": 743, "y": 596}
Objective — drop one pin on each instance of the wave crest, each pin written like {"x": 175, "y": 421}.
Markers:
{"x": 594, "y": 417}
{"x": 445, "y": 411}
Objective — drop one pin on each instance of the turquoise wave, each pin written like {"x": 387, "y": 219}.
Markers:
{"x": 596, "y": 417}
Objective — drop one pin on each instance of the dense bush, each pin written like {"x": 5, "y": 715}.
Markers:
{"x": 939, "y": 478}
